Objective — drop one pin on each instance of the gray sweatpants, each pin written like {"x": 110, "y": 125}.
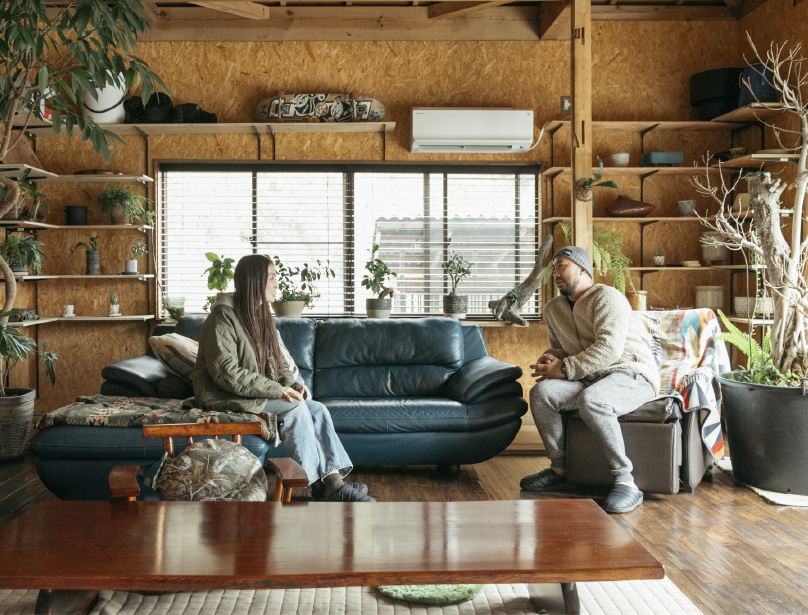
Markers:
{"x": 599, "y": 403}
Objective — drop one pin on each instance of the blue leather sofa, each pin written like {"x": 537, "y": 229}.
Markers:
{"x": 401, "y": 392}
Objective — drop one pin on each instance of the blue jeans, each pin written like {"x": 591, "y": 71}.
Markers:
{"x": 308, "y": 437}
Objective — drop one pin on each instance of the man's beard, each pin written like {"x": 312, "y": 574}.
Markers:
{"x": 568, "y": 289}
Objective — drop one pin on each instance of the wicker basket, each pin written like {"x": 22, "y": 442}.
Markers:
{"x": 16, "y": 416}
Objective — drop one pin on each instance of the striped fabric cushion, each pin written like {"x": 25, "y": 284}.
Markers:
{"x": 176, "y": 352}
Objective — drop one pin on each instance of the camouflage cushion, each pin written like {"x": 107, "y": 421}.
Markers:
{"x": 212, "y": 470}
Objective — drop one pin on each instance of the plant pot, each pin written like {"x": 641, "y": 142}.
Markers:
{"x": 174, "y": 308}
{"x": 114, "y": 310}
{"x": 119, "y": 216}
{"x": 455, "y": 306}
{"x": 130, "y": 266}
{"x": 288, "y": 309}
{"x": 659, "y": 261}
{"x": 749, "y": 306}
{"x": 638, "y": 299}
{"x": 76, "y": 215}
{"x": 379, "y": 308}
{"x": 714, "y": 254}
{"x": 16, "y": 265}
{"x": 93, "y": 262}
{"x": 67, "y": 311}
{"x": 16, "y": 416}
{"x": 767, "y": 428}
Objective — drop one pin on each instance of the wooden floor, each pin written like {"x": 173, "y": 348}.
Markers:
{"x": 727, "y": 549}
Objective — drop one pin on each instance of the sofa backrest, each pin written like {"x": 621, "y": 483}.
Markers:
{"x": 386, "y": 358}
{"x": 298, "y": 337}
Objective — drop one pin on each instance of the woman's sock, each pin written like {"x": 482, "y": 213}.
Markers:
{"x": 332, "y": 483}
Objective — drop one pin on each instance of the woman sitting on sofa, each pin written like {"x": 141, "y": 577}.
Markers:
{"x": 239, "y": 368}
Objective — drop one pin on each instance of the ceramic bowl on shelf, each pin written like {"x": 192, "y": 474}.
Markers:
{"x": 624, "y": 207}
{"x": 691, "y": 264}
{"x": 747, "y": 307}
{"x": 619, "y": 160}
{"x": 686, "y": 208}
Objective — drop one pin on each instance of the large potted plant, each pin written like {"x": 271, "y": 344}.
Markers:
{"x": 219, "y": 273}
{"x": 766, "y": 416}
{"x": 456, "y": 268}
{"x": 122, "y": 205}
{"x": 23, "y": 252}
{"x": 54, "y": 55}
{"x": 91, "y": 254}
{"x": 297, "y": 288}
{"x": 375, "y": 280}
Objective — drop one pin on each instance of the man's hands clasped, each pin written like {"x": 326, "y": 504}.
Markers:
{"x": 547, "y": 366}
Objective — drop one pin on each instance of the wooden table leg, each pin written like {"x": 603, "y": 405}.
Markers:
{"x": 65, "y": 601}
{"x": 554, "y": 598}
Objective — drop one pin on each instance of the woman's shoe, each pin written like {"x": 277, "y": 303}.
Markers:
{"x": 346, "y": 493}
{"x": 362, "y": 488}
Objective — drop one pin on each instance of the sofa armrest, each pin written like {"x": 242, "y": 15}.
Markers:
{"x": 140, "y": 373}
{"x": 476, "y": 376}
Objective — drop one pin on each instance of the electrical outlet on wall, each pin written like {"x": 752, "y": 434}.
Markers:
{"x": 566, "y": 105}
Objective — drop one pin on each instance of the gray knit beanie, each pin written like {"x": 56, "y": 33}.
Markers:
{"x": 577, "y": 255}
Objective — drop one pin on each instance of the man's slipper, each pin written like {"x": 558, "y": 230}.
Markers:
{"x": 546, "y": 480}
{"x": 348, "y": 494}
{"x": 362, "y": 488}
{"x": 622, "y": 498}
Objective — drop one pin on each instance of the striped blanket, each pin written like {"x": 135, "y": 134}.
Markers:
{"x": 689, "y": 356}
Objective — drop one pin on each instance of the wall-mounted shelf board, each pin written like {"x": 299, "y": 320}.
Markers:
{"x": 15, "y": 171}
{"x": 758, "y": 322}
{"x": 754, "y": 161}
{"x": 632, "y": 219}
{"x": 47, "y": 319}
{"x": 32, "y": 278}
{"x": 236, "y": 128}
{"x": 642, "y": 171}
{"x": 671, "y": 268}
{"x": 739, "y": 267}
{"x": 33, "y": 323}
{"x": 644, "y": 125}
{"x": 751, "y": 113}
{"x": 29, "y": 224}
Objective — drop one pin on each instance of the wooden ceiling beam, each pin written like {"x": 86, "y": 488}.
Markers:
{"x": 554, "y": 24}
{"x": 248, "y": 10}
{"x": 747, "y": 6}
{"x": 443, "y": 10}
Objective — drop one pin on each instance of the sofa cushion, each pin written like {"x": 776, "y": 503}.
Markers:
{"x": 140, "y": 373}
{"x": 298, "y": 337}
{"x": 386, "y": 358}
{"x": 190, "y": 325}
{"x": 176, "y": 352}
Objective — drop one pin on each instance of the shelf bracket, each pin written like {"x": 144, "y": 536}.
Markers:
{"x": 644, "y": 132}
{"x": 643, "y": 177}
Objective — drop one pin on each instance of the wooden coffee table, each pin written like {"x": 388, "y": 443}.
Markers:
{"x": 69, "y": 550}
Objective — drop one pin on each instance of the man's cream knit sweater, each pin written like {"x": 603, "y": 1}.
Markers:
{"x": 598, "y": 335}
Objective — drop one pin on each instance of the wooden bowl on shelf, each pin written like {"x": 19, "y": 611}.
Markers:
{"x": 624, "y": 207}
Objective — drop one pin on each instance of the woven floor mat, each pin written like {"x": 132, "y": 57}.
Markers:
{"x": 612, "y": 598}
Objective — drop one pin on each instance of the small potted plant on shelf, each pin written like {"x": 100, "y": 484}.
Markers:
{"x": 456, "y": 268}
{"x": 659, "y": 258}
{"x": 114, "y": 307}
{"x": 93, "y": 256}
{"x": 138, "y": 250}
{"x": 68, "y": 309}
{"x": 23, "y": 252}
{"x": 122, "y": 205}
{"x": 296, "y": 286}
{"x": 375, "y": 279}
{"x": 219, "y": 273}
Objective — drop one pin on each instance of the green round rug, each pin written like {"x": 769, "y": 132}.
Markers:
{"x": 431, "y": 595}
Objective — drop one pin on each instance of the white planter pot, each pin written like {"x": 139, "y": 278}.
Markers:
{"x": 659, "y": 261}
{"x": 114, "y": 310}
{"x": 746, "y": 307}
{"x": 288, "y": 309}
{"x": 455, "y": 306}
{"x": 130, "y": 267}
{"x": 379, "y": 308}
{"x": 67, "y": 311}
{"x": 106, "y": 105}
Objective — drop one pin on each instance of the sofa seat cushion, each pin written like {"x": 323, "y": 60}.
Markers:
{"x": 101, "y": 442}
{"x": 416, "y": 415}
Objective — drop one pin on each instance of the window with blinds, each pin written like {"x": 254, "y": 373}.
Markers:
{"x": 336, "y": 213}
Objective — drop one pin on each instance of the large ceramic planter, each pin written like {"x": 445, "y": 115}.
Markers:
{"x": 379, "y": 308}
{"x": 455, "y": 306}
{"x": 767, "y": 429}
{"x": 288, "y": 309}
{"x": 16, "y": 416}
{"x": 119, "y": 216}
{"x": 16, "y": 266}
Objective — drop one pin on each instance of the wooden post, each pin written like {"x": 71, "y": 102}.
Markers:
{"x": 581, "y": 125}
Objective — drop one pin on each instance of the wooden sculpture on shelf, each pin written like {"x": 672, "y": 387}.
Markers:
{"x": 351, "y": 107}
{"x": 507, "y": 308}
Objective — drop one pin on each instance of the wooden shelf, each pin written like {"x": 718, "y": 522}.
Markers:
{"x": 31, "y": 278}
{"x": 33, "y": 323}
{"x": 42, "y": 225}
{"x": 755, "y": 321}
{"x": 751, "y": 113}
{"x": 632, "y": 219}
{"x": 749, "y": 268}
{"x": 646, "y": 125}
{"x": 15, "y": 171}
{"x": 234, "y": 128}
{"x": 671, "y": 268}
{"x": 46, "y": 319}
{"x": 754, "y": 161}
{"x": 641, "y": 171}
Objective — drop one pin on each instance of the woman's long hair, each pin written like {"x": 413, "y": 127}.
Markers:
{"x": 252, "y": 310}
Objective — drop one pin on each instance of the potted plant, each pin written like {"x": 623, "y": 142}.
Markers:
{"x": 17, "y": 405}
{"x": 659, "y": 258}
{"x": 456, "y": 268}
{"x": 92, "y": 255}
{"x": 22, "y": 252}
{"x": 585, "y": 188}
{"x": 122, "y": 205}
{"x": 766, "y": 415}
{"x": 296, "y": 286}
{"x": 219, "y": 273}
{"x": 375, "y": 279}
{"x": 114, "y": 307}
{"x": 137, "y": 250}
{"x": 68, "y": 309}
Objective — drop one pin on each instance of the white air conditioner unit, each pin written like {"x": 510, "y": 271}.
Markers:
{"x": 471, "y": 131}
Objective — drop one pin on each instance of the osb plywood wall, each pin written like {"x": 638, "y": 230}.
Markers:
{"x": 640, "y": 71}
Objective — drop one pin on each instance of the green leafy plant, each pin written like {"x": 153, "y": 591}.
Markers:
{"x": 113, "y": 298}
{"x": 92, "y": 246}
{"x": 760, "y": 367}
{"x": 378, "y": 273}
{"x": 15, "y": 345}
{"x": 456, "y": 268}
{"x": 138, "y": 250}
{"x": 584, "y": 188}
{"x": 659, "y": 252}
{"x": 25, "y": 248}
{"x": 219, "y": 273}
{"x": 298, "y": 283}
{"x": 130, "y": 203}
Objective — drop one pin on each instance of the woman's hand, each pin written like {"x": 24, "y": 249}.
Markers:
{"x": 289, "y": 394}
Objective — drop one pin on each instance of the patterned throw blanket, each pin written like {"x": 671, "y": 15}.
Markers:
{"x": 689, "y": 357}
{"x": 112, "y": 411}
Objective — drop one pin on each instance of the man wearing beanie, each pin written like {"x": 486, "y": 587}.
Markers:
{"x": 599, "y": 364}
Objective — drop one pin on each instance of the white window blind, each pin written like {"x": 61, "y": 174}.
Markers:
{"x": 333, "y": 213}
